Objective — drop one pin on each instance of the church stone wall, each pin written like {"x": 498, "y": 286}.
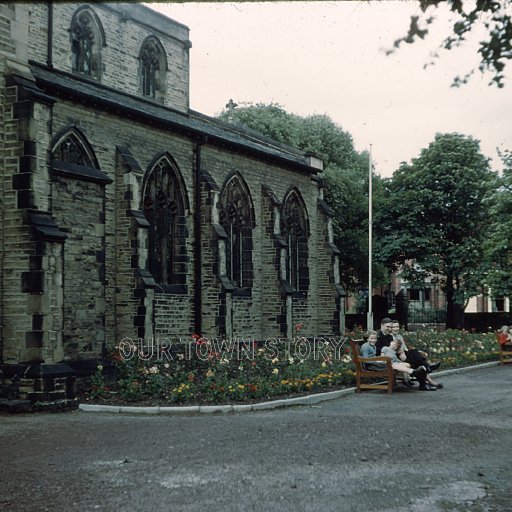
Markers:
{"x": 105, "y": 133}
{"x": 84, "y": 285}
{"x": 248, "y": 314}
{"x": 17, "y": 249}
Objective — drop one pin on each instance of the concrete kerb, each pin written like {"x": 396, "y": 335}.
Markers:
{"x": 262, "y": 406}
{"x": 466, "y": 369}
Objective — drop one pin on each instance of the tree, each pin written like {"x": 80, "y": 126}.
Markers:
{"x": 497, "y": 246}
{"x": 433, "y": 215}
{"x": 345, "y": 173}
{"x": 495, "y": 51}
{"x": 269, "y": 120}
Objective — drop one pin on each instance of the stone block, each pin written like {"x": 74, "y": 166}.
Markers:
{"x": 15, "y": 406}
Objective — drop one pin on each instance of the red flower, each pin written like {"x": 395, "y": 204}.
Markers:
{"x": 298, "y": 327}
{"x": 196, "y": 336}
{"x": 214, "y": 355}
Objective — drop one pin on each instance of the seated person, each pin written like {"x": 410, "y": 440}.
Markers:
{"x": 384, "y": 336}
{"x": 505, "y": 338}
{"x": 394, "y": 351}
{"x": 414, "y": 357}
{"x": 368, "y": 350}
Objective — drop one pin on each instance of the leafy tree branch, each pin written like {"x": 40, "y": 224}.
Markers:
{"x": 495, "y": 15}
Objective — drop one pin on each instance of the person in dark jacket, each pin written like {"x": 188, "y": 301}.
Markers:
{"x": 384, "y": 336}
{"x": 414, "y": 357}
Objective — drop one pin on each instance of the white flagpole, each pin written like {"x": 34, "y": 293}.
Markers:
{"x": 369, "y": 320}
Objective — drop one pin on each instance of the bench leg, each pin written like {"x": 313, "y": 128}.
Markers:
{"x": 358, "y": 383}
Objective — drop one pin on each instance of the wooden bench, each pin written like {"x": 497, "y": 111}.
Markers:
{"x": 505, "y": 354}
{"x": 363, "y": 376}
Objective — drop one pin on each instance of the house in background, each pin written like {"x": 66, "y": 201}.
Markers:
{"x": 486, "y": 303}
{"x": 425, "y": 306}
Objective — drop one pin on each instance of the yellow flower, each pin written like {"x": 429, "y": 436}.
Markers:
{"x": 275, "y": 371}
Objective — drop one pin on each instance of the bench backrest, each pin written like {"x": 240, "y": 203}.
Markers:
{"x": 354, "y": 345}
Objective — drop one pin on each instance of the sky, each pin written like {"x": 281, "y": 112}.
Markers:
{"x": 330, "y": 58}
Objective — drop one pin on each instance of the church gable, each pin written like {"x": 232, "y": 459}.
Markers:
{"x": 124, "y": 46}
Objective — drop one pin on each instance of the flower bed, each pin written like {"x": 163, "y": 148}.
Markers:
{"x": 456, "y": 348}
{"x": 208, "y": 371}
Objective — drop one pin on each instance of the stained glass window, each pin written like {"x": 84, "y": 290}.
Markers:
{"x": 236, "y": 217}
{"x": 152, "y": 68}
{"x": 164, "y": 208}
{"x": 294, "y": 228}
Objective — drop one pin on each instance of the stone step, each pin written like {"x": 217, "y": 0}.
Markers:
{"x": 21, "y": 406}
{"x": 15, "y": 406}
{"x": 46, "y": 396}
{"x": 57, "y": 406}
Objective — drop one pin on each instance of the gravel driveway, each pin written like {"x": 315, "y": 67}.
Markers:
{"x": 412, "y": 451}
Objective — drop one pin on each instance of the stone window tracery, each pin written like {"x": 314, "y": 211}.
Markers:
{"x": 153, "y": 67}
{"x": 86, "y": 42}
{"x": 294, "y": 228}
{"x": 236, "y": 217}
{"x": 164, "y": 208}
{"x": 71, "y": 150}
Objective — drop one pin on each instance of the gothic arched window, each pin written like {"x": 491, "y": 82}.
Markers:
{"x": 164, "y": 208}
{"x": 153, "y": 67}
{"x": 87, "y": 39}
{"x": 71, "y": 149}
{"x": 294, "y": 228}
{"x": 237, "y": 219}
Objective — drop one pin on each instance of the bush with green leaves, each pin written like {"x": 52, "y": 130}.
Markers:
{"x": 204, "y": 371}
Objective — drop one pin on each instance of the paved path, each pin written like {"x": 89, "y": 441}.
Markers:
{"x": 448, "y": 450}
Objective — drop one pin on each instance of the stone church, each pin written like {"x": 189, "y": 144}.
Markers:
{"x": 126, "y": 214}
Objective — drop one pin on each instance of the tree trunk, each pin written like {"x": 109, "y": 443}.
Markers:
{"x": 454, "y": 310}
{"x": 450, "y": 303}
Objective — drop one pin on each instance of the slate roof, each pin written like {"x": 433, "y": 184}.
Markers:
{"x": 194, "y": 124}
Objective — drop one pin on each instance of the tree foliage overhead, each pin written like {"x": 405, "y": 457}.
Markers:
{"x": 495, "y": 15}
{"x": 433, "y": 213}
{"x": 498, "y": 246}
{"x": 345, "y": 173}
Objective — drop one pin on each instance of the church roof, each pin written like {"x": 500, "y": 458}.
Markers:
{"x": 194, "y": 124}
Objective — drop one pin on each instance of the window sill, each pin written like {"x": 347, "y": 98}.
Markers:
{"x": 242, "y": 292}
{"x": 173, "y": 289}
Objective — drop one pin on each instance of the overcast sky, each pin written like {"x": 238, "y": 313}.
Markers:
{"x": 329, "y": 58}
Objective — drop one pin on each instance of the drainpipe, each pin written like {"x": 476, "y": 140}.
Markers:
{"x": 49, "y": 59}
{"x": 198, "y": 280}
